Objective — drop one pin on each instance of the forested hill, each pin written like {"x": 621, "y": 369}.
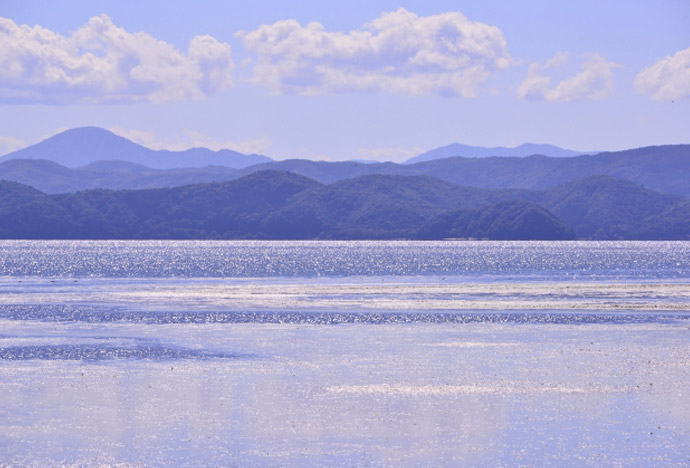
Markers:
{"x": 662, "y": 168}
{"x": 281, "y": 205}
{"x": 51, "y": 177}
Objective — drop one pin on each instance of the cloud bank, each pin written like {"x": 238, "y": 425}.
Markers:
{"x": 9, "y": 144}
{"x": 190, "y": 139}
{"x": 389, "y": 153}
{"x": 399, "y": 52}
{"x": 594, "y": 81}
{"x": 101, "y": 63}
{"x": 667, "y": 79}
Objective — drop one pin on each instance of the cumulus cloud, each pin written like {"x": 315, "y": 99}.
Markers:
{"x": 667, "y": 79}
{"x": 145, "y": 138}
{"x": 256, "y": 145}
{"x": 191, "y": 139}
{"x": 9, "y": 144}
{"x": 389, "y": 153}
{"x": 594, "y": 81}
{"x": 398, "y": 52}
{"x": 101, "y": 62}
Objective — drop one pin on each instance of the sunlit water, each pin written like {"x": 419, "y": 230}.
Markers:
{"x": 344, "y": 353}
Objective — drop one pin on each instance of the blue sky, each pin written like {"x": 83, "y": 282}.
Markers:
{"x": 348, "y": 80}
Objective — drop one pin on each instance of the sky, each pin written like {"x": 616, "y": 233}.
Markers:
{"x": 378, "y": 80}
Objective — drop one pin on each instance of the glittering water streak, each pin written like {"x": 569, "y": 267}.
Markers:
{"x": 415, "y": 296}
{"x": 100, "y": 314}
{"x": 264, "y": 259}
{"x": 100, "y": 352}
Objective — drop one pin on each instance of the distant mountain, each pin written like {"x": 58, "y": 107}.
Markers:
{"x": 506, "y": 220}
{"x": 662, "y": 168}
{"x": 377, "y": 207}
{"x": 327, "y": 172}
{"x": 282, "y": 205}
{"x": 43, "y": 175}
{"x": 12, "y": 193}
{"x": 51, "y": 177}
{"x": 603, "y": 207}
{"x": 221, "y": 210}
{"x": 81, "y": 146}
{"x": 466, "y": 151}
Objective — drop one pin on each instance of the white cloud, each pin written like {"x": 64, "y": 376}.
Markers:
{"x": 398, "y": 52}
{"x": 667, "y": 79}
{"x": 9, "y": 144}
{"x": 101, "y": 62}
{"x": 191, "y": 139}
{"x": 258, "y": 145}
{"x": 389, "y": 153}
{"x": 559, "y": 59}
{"x": 594, "y": 81}
{"x": 143, "y": 137}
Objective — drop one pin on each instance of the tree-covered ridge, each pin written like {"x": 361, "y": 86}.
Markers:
{"x": 282, "y": 205}
{"x": 662, "y": 168}
{"x": 51, "y": 177}
{"x": 603, "y": 207}
{"x": 506, "y": 220}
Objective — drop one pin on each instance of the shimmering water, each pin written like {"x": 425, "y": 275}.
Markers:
{"x": 160, "y": 353}
{"x": 465, "y": 261}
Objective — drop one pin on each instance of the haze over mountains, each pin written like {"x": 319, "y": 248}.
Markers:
{"x": 634, "y": 194}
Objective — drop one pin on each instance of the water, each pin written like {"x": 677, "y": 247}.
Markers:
{"x": 158, "y": 353}
{"x": 464, "y": 261}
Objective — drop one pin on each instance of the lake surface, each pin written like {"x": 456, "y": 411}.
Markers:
{"x": 203, "y": 353}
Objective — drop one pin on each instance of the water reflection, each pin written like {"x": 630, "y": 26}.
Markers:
{"x": 349, "y": 395}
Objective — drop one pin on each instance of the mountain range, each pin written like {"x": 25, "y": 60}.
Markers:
{"x": 81, "y": 146}
{"x": 51, "y": 177}
{"x": 85, "y": 183}
{"x": 466, "y": 151}
{"x": 283, "y": 205}
{"x": 662, "y": 168}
